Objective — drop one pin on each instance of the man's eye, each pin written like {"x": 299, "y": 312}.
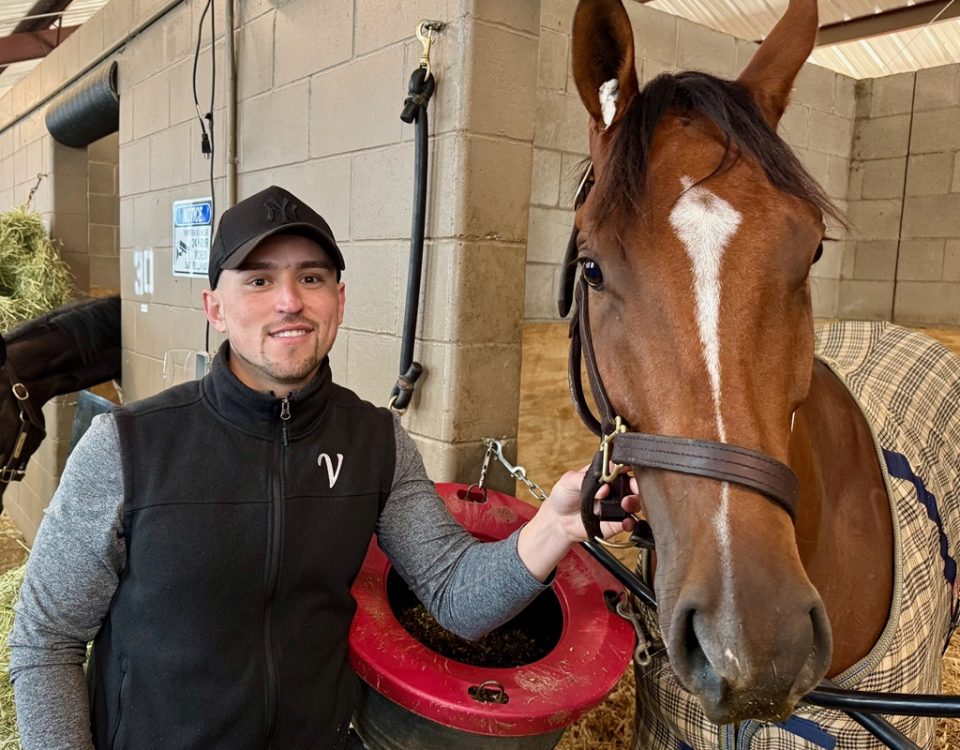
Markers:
{"x": 257, "y": 282}
{"x": 311, "y": 279}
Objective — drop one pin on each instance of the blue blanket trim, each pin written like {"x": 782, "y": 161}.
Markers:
{"x": 810, "y": 731}
{"x": 899, "y": 467}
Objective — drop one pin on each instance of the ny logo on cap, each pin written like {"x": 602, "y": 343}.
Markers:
{"x": 285, "y": 210}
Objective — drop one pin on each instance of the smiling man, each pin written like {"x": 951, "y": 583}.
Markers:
{"x": 206, "y": 539}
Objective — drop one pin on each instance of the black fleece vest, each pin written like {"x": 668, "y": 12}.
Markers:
{"x": 244, "y": 532}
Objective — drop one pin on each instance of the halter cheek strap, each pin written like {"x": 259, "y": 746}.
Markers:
{"x": 30, "y": 433}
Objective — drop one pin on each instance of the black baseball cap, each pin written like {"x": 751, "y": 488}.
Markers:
{"x": 264, "y": 214}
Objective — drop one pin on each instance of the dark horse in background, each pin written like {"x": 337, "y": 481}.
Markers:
{"x": 66, "y": 350}
{"x": 826, "y": 545}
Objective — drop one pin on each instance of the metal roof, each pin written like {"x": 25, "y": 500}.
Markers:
{"x": 931, "y": 36}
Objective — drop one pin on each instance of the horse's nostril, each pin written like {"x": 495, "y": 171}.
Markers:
{"x": 696, "y": 659}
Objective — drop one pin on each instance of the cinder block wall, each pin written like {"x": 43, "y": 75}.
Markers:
{"x": 905, "y": 200}
{"x": 818, "y": 125}
{"x": 320, "y": 90}
{"x": 103, "y": 215}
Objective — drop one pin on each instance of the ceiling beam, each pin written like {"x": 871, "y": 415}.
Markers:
{"x": 41, "y": 8}
{"x": 30, "y": 45}
{"x": 886, "y": 22}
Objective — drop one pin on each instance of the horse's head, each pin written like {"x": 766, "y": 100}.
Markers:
{"x": 696, "y": 243}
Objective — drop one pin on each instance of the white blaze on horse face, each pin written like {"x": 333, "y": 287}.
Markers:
{"x": 705, "y": 224}
{"x": 609, "y": 93}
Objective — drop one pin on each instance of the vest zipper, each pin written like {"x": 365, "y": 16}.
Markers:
{"x": 273, "y": 568}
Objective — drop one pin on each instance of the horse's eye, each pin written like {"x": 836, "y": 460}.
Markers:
{"x": 592, "y": 273}
{"x": 816, "y": 255}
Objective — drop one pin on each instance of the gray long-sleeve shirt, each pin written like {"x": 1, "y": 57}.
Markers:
{"x": 79, "y": 552}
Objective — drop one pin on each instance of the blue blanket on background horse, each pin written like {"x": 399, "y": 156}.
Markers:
{"x": 908, "y": 387}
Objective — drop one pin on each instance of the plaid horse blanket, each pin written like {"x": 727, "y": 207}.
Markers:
{"x": 908, "y": 387}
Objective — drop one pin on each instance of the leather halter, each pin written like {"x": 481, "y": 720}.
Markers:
{"x": 30, "y": 433}
{"x": 707, "y": 458}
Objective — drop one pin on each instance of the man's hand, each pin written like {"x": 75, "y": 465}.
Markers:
{"x": 557, "y": 526}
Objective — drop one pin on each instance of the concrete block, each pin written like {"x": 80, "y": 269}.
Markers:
{"x": 473, "y": 292}
{"x": 892, "y": 95}
{"x": 920, "y": 260}
{"x": 929, "y": 174}
{"x": 951, "y": 261}
{"x": 104, "y": 150}
{"x": 104, "y": 274}
{"x": 875, "y": 219}
{"x": 460, "y": 462}
{"x": 658, "y": 36}
{"x": 938, "y": 88}
{"x": 384, "y": 22}
{"x": 540, "y": 294}
{"x": 374, "y": 296}
{"x": 168, "y": 149}
{"x": 557, "y": 15}
{"x": 927, "y": 303}
{"x": 311, "y": 37}
{"x": 572, "y": 168}
{"x": 794, "y": 126}
{"x": 512, "y": 117}
{"x": 337, "y": 124}
{"x": 198, "y": 163}
{"x": 561, "y": 122}
{"x": 863, "y": 96}
{"x": 845, "y": 97}
{"x": 432, "y": 407}
{"x": 135, "y": 167}
{"x": 142, "y": 376}
{"x": 372, "y": 364}
{"x": 267, "y": 140}
{"x": 745, "y": 52}
{"x": 837, "y": 181}
{"x": 102, "y": 179}
{"x": 930, "y": 216}
{"x": 700, "y": 48}
{"x": 382, "y": 178}
{"x": 848, "y": 259}
{"x": 553, "y": 63}
{"x": 71, "y": 231}
{"x": 69, "y": 194}
{"x": 255, "y": 55}
{"x": 104, "y": 209}
{"x": 524, "y": 17}
{"x": 865, "y": 300}
{"x": 881, "y": 137}
{"x": 151, "y": 105}
{"x": 117, "y": 20}
{"x": 486, "y": 391}
{"x": 138, "y": 61}
{"x": 548, "y": 234}
{"x": 154, "y": 224}
{"x": 125, "y": 130}
{"x": 79, "y": 264}
{"x": 103, "y": 240}
{"x": 815, "y": 87}
{"x": 545, "y": 180}
{"x": 883, "y": 178}
{"x": 830, "y": 133}
{"x": 178, "y": 33}
{"x": 127, "y": 218}
{"x": 936, "y": 131}
{"x": 875, "y": 260}
{"x": 955, "y": 184}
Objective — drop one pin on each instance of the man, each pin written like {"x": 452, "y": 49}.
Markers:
{"x": 206, "y": 538}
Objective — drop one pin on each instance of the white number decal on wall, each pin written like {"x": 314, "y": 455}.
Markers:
{"x": 143, "y": 268}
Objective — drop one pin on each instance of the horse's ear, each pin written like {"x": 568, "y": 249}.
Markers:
{"x": 603, "y": 64}
{"x": 769, "y": 75}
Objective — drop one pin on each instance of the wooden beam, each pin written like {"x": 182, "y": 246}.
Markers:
{"x": 30, "y": 45}
{"x": 887, "y": 22}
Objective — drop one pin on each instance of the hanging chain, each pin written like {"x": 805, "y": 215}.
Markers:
{"x": 495, "y": 447}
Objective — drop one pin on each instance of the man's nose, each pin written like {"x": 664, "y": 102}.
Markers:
{"x": 288, "y": 296}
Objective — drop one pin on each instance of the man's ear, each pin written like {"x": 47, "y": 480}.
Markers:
{"x": 213, "y": 309}
{"x": 342, "y": 290}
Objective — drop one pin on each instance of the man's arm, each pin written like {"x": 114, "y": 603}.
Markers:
{"x": 470, "y": 586}
{"x": 72, "y": 574}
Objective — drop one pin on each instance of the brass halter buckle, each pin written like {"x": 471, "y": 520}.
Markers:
{"x": 608, "y": 475}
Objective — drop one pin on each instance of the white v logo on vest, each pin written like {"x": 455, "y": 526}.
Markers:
{"x": 331, "y": 472}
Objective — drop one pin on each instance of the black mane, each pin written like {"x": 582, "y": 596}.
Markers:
{"x": 732, "y": 108}
{"x": 94, "y": 325}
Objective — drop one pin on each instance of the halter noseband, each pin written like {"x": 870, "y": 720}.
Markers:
{"x": 707, "y": 458}
{"x": 30, "y": 433}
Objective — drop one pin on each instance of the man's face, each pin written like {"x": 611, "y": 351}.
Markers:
{"x": 280, "y": 310}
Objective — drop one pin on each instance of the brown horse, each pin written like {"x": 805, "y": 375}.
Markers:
{"x": 71, "y": 348}
{"x": 695, "y": 245}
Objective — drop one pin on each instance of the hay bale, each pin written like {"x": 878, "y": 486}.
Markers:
{"x": 33, "y": 277}
{"x": 10, "y": 583}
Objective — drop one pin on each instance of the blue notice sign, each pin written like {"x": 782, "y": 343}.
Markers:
{"x": 192, "y": 231}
